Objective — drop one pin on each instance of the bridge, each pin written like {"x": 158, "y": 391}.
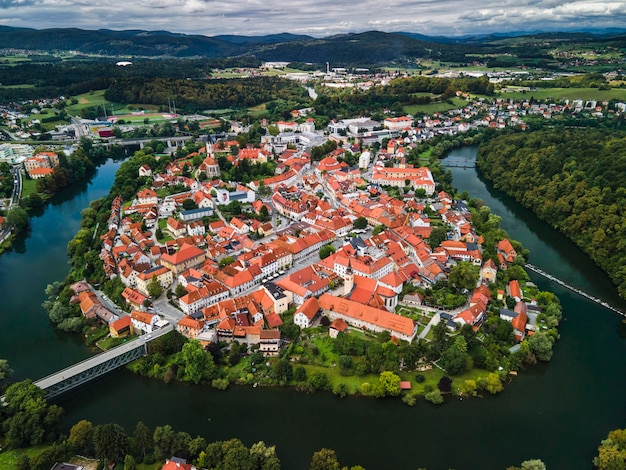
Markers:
{"x": 100, "y": 364}
{"x": 535, "y": 269}
{"x": 460, "y": 163}
{"x": 174, "y": 141}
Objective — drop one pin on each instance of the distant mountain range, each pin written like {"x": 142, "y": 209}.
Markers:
{"x": 368, "y": 48}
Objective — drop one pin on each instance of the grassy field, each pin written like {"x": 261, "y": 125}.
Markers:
{"x": 569, "y": 93}
{"x": 86, "y": 100}
{"x": 28, "y": 187}
{"x": 434, "y": 107}
{"x": 8, "y": 458}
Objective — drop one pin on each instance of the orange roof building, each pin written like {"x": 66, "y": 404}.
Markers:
{"x": 368, "y": 318}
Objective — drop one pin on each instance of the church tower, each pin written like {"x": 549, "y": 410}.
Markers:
{"x": 348, "y": 280}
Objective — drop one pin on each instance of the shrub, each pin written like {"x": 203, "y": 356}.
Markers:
{"x": 434, "y": 397}
{"x": 220, "y": 384}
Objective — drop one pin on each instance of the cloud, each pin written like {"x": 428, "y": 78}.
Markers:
{"x": 320, "y": 18}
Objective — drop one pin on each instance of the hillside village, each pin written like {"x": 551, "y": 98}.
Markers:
{"x": 240, "y": 278}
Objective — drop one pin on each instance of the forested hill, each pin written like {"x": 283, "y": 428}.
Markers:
{"x": 573, "y": 179}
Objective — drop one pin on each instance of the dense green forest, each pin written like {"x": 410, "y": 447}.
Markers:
{"x": 575, "y": 179}
{"x": 196, "y": 96}
{"x": 77, "y": 77}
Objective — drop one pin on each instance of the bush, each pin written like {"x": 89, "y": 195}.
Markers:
{"x": 434, "y": 397}
{"x": 220, "y": 384}
{"x": 341, "y": 390}
{"x": 409, "y": 399}
{"x": 419, "y": 378}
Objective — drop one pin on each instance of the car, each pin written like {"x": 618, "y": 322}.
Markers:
{"x": 148, "y": 336}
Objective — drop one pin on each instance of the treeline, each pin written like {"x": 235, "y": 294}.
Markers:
{"x": 27, "y": 420}
{"x": 396, "y": 95}
{"x": 196, "y": 96}
{"x": 76, "y": 77}
{"x": 575, "y": 179}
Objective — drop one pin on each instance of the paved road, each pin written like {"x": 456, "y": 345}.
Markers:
{"x": 163, "y": 308}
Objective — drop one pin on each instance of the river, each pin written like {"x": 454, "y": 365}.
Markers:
{"x": 557, "y": 412}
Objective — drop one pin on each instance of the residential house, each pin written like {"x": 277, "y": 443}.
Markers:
{"x": 121, "y": 328}
{"x": 143, "y": 322}
{"x": 187, "y": 257}
{"x": 306, "y": 313}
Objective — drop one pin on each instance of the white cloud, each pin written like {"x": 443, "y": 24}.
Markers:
{"x": 320, "y": 18}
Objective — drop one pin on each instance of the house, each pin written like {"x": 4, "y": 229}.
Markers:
{"x": 122, "y": 327}
{"x": 269, "y": 342}
{"x": 506, "y": 253}
{"x": 133, "y": 297}
{"x": 145, "y": 170}
{"x": 488, "y": 272}
{"x": 162, "y": 274}
{"x": 143, "y": 322}
{"x": 515, "y": 290}
{"x": 176, "y": 463}
{"x": 147, "y": 197}
{"x": 189, "y": 327}
{"x": 281, "y": 298}
{"x": 187, "y": 257}
{"x": 306, "y": 313}
{"x": 336, "y": 327}
{"x": 175, "y": 227}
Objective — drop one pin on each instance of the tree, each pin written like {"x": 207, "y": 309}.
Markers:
{"x": 189, "y": 204}
{"x": 326, "y": 251}
{"x": 142, "y": 438}
{"x": 445, "y": 384}
{"x": 81, "y": 437}
{"x": 379, "y": 228}
{"x": 264, "y": 457}
{"x": 541, "y": 346}
{"x": 464, "y": 276}
{"x": 129, "y": 463}
{"x": 437, "y": 235}
{"x": 454, "y": 359}
{"x": 111, "y": 442}
{"x": 612, "y": 451}
{"x": 360, "y": 223}
{"x": 390, "y": 383}
{"x": 29, "y": 420}
{"x": 17, "y": 218}
{"x": 299, "y": 374}
{"x": 434, "y": 396}
{"x": 5, "y": 370}
{"x": 198, "y": 363}
{"x": 490, "y": 383}
{"x": 319, "y": 381}
{"x": 324, "y": 459}
{"x": 534, "y": 464}
{"x": 154, "y": 288}
{"x": 180, "y": 291}
{"x": 282, "y": 370}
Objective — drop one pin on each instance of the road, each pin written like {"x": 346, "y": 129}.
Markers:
{"x": 168, "y": 312}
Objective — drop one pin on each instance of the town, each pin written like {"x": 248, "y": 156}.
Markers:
{"x": 345, "y": 236}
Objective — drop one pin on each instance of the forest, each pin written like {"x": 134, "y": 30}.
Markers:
{"x": 574, "y": 179}
{"x": 196, "y": 96}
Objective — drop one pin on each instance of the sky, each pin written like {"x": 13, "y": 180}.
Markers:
{"x": 317, "y": 17}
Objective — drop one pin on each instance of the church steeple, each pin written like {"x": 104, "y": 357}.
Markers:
{"x": 348, "y": 280}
